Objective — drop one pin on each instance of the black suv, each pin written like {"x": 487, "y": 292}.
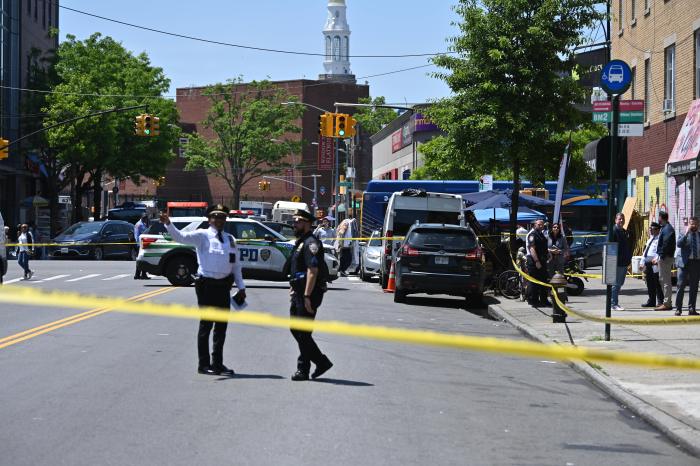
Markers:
{"x": 128, "y": 212}
{"x": 440, "y": 259}
{"x": 97, "y": 240}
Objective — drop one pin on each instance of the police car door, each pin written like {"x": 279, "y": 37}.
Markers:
{"x": 258, "y": 256}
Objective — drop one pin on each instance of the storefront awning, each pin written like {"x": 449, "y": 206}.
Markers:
{"x": 684, "y": 156}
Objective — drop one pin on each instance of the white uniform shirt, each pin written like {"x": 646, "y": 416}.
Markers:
{"x": 213, "y": 256}
{"x": 650, "y": 253}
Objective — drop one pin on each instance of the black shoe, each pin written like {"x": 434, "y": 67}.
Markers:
{"x": 693, "y": 312}
{"x": 137, "y": 278}
{"x": 223, "y": 370}
{"x": 300, "y": 375}
{"x": 648, "y": 304}
{"x": 679, "y": 312}
{"x": 206, "y": 370}
{"x": 322, "y": 368}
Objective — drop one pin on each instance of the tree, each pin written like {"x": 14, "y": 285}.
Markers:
{"x": 249, "y": 123}
{"x": 373, "y": 119}
{"x": 98, "y": 74}
{"x": 512, "y": 85}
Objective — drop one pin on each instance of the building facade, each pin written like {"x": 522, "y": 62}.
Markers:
{"x": 396, "y": 147}
{"x": 25, "y": 40}
{"x": 660, "y": 40}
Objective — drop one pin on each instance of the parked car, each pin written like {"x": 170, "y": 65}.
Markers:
{"x": 588, "y": 247}
{"x": 440, "y": 259}
{"x": 96, "y": 240}
{"x": 283, "y": 229}
{"x": 370, "y": 256}
{"x": 3, "y": 249}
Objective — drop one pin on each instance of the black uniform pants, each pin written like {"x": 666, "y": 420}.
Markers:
{"x": 214, "y": 293}
{"x": 654, "y": 290}
{"x": 538, "y": 293}
{"x": 308, "y": 349}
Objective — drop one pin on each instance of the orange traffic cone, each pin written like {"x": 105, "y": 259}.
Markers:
{"x": 391, "y": 284}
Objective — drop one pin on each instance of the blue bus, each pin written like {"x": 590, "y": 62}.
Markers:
{"x": 582, "y": 213}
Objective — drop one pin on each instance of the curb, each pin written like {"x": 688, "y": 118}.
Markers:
{"x": 677, "y": 431}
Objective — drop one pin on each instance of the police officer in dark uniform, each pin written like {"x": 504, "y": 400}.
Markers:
{"x": 219, "y": 268}
{"x": 537, "y": 251}
{"x": 308, "y": 284}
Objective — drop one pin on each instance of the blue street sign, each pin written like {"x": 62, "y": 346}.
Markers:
{"x": 322, "y": 190}
{"x": 616, "y": 77}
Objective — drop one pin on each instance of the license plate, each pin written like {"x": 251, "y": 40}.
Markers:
{"x": 442, "y": 260}
{"x": 64, "y": 250}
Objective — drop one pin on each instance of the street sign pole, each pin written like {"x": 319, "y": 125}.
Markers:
{"x": 611, "y": 199}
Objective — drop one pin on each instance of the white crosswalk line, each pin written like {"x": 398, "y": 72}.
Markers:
{"x": 116, "y": 277}
{"x": 354, "y": 279}
{"x": 49, "y": 279}
{"x": 14, "y": 280}
{"x": 92, "y": 275}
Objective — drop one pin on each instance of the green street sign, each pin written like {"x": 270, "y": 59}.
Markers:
{"x": 602, "y": 117}
{"x": 347, "y": 184}
{"x": 625, "y": 117}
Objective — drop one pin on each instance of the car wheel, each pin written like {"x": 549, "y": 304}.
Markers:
{"x": 133, "y": 254}
{"x": 399, "y": 296}
{"x": 179, "y": 270}
{"x": 99, "y": 254}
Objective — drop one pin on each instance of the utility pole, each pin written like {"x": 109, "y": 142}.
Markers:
{"x": 314, "y": 204}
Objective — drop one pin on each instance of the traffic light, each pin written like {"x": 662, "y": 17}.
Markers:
{"x": 261, "y": 186}
{"x": 155, "y": 126}
{"x": 322, "y": 125}
{"x": 351, "y": 131}
{"x": 340, "y": 125}
{"x": 267, "y": 185}
{"x": 147, "y": 125}
{"x": 138, "y": 125}
{"x": 4, "y": 150}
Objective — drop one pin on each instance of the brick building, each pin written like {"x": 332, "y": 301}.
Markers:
{"x": 660, "y": 40}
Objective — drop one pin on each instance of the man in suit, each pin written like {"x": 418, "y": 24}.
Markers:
{"x": 651, "y": 271}
{"x": 665, "y": 249}
{"x": 688, "y": 267}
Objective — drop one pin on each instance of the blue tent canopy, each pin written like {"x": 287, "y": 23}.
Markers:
{"x": 502, "y": 215}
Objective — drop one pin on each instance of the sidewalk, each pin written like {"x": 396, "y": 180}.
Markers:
{"x": 667, "y": 399}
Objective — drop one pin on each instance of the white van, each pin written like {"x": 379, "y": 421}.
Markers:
{"x": 3, "y": 249}
{"x": 283, "y": 211}
{"x": 412, "y": 206}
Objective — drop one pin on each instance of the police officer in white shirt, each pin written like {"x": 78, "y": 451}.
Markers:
{"x": 219, "y": 267}
{"x": 651, "y": 271}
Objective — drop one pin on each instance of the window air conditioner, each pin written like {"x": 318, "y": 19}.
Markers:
{"x": 668, "y": 106}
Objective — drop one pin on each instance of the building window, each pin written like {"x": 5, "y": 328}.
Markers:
{"x": 336, "y": 48}
{"x": 620, "y": 14}
{"x": 647, "y": 88}
{"x": 646, "y": 5}
{"x": 697, "y": 64}
{"x": 633, "y": 186}
{"x": 633, "y": 10}
{"x": 346, "y": 48}
{"x": 328, "y": 48}
{"x": 633, "y": 86}
{"x": 669, "y": 79}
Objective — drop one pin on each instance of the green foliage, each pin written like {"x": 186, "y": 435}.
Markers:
{"x": 373, "y": 119}
{"x": 512, "y": 86}
{"x": 249, "y": 124}
{"x": 96, "y": 74}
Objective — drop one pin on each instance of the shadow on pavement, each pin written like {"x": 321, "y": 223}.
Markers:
{"x": 253, "y": 376}
{"x": 478, "y": 309}
{"x": 349, "y": 383}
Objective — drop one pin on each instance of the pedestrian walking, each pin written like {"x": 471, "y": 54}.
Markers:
{"x": 651, "y": 271}
{"x": 308, "y": 284}
{"x": 558, "y": 250}
{"x": 325, "y": 232}
{"x": 688, "y": 267}
{"x": 140, "y": 227}
{"x": 666, "y": 250}
{"x": 219, "y": 268}
{"x": 25, "y": 239}
{"x": 344, "y": 245}
{"x": 537, "y": 264}
{"x": 624, "y": 259}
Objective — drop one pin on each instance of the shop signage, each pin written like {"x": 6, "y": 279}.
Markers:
{"x": 326, "y": 154}
{"x": 630, "y": 129}
{"x": 401, "y": 138}
{"x": 422, "y": 124}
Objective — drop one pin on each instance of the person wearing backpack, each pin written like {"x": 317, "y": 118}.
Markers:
{"x": 309, "y": 274}
{"x": 26, "y": 249}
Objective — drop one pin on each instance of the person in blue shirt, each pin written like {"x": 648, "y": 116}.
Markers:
{"x": 688, "y": 267}
{"x": 140, "y": 227}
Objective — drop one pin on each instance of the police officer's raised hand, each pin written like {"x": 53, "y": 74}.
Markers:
{"x": 307, "y": 305}
{"x": 164, "y": 218}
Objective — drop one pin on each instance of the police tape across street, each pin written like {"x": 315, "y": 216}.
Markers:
{"x": 27, "y": 296}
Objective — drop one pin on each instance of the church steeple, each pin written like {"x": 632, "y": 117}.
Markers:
{"x": 336, "y": 36}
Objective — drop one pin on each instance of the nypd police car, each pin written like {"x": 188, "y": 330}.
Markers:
{"x": 263, "y": 253}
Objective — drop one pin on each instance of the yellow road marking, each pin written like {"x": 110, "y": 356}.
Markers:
{"x": 45, "y": 328}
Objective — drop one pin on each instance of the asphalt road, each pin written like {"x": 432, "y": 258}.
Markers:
{"x": 110, "y": 388}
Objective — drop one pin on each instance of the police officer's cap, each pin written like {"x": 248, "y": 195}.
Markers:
{"x": 218, "y": 209}
{"x": 303, "y": 215}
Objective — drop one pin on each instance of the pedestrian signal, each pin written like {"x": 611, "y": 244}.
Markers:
{"x": 4, "y": 150}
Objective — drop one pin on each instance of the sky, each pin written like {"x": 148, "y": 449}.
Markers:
{"x": 379, "y": 27}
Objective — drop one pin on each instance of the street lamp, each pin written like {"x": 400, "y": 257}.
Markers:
{"x": 307, "y": 105}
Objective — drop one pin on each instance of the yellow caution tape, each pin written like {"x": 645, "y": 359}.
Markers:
{"x": 21, "y": 295}
{"x": 609, "y": 320}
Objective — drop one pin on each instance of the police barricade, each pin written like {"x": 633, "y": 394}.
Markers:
{"x": 26, "y": 296}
